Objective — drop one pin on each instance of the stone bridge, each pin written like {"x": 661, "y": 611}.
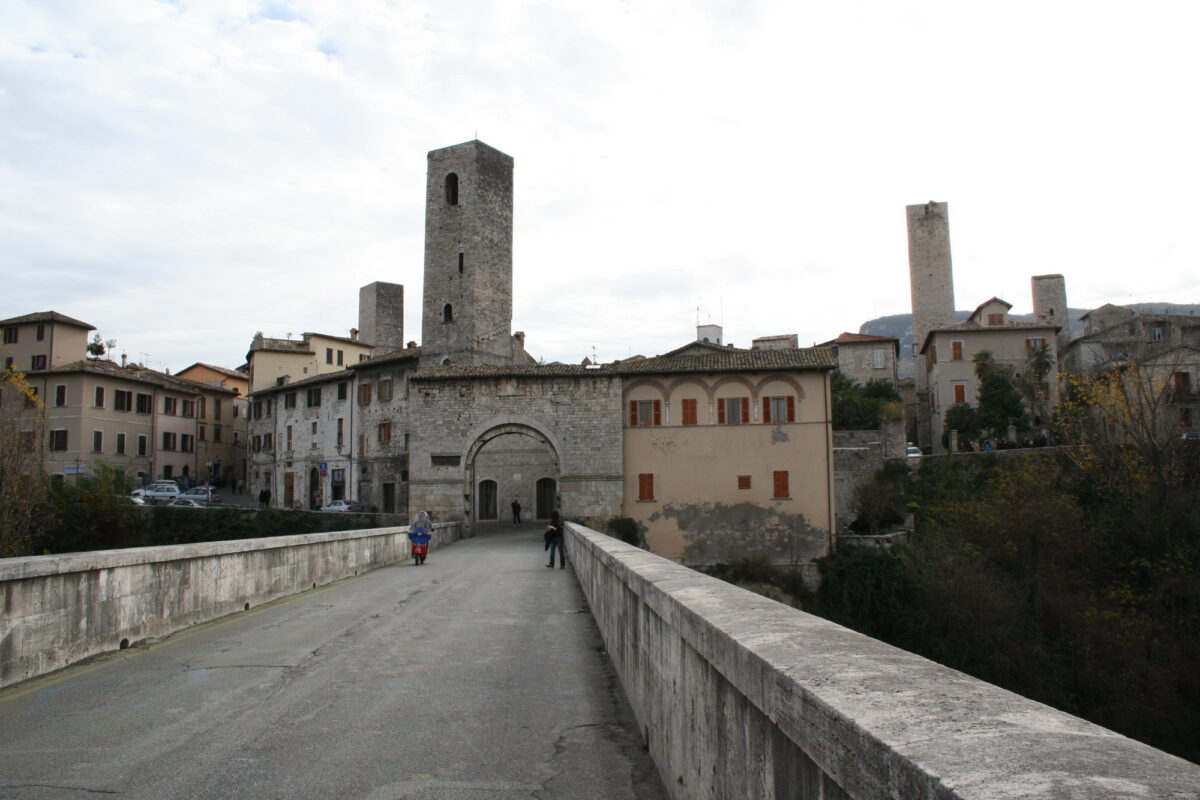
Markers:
{"x": 328, "y": 665}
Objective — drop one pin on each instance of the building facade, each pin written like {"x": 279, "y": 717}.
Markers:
{"x": 466, "y": 423}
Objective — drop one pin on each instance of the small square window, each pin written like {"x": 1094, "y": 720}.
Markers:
{"x": 743, "y": 481}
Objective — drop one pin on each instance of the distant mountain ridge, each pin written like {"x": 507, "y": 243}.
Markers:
{"x": 899, "y": 326}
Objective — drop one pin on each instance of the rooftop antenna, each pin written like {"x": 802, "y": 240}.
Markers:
{"x": 595, "y": 358}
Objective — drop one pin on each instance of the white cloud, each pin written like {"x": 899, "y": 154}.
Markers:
{"x": 184, "y": 174}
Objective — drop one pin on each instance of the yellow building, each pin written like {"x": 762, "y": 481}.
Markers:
{"x": 273, "y": 362}
{"x": 729, "y": 454}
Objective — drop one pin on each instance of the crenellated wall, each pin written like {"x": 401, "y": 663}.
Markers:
{"x": 740, "y": 696}
{"x": 63, "y": 608}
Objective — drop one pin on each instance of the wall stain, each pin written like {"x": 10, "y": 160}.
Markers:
{"x": 779, "y": 435}
{"x": 718, "y": 532}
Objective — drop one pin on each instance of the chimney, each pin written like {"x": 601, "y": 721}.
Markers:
{"x": 124, "y": 358}
{"x": 354, "y": 334}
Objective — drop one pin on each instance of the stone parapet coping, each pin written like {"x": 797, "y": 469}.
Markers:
{"x": 741, "y": 696}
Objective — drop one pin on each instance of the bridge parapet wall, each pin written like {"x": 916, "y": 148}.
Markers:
{"x": 740, "y": 696}
{"x": 63, "y": 608}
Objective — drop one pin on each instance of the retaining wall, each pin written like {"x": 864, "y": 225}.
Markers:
{"x": 740, "y": 696}
{"x": 63, "y": 608}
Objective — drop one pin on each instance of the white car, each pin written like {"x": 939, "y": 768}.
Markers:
{"x": 205, "y": 494}
{"x": 912, "y": 451}
{"x": 161, "y": 491}
{"x": 344, "y": 505}
{"x": 185, "y": 502}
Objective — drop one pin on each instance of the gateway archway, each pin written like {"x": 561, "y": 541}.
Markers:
{"x": 511, "y": 462}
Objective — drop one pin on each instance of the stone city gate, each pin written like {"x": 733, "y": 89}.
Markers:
{"x": 510, "y": 462}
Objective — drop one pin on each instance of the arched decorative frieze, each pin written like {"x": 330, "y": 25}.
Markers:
{"x": 781, "y": 378}
{"x": 637, "y": 383}
{"x": 686, "y": 380}
{"x": 739, "y": 380}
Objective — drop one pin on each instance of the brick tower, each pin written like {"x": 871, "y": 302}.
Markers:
{"x": 932, "y": 280}
{"x": 467, "y": 309}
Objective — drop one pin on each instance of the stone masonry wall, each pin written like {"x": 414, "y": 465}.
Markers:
{"x": 579, "y": 417}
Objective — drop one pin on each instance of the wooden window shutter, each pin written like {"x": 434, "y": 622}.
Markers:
{"x": 689, "y": 412}
{"x": 745, "y": 410}
{"x": 766, "y": 417}
{"x": 633, "y": 413}
{"x": 658, "y": 412}
{"x": 791, "y": 408}
{"x": 721, "y": 411}
{"x": 781, "y": 483}
{"x": 646, "y": 486}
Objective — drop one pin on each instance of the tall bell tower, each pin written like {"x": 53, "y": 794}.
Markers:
{"x": 467, "y": 306}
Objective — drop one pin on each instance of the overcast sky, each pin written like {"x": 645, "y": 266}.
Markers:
{"x": 184, "y": 174}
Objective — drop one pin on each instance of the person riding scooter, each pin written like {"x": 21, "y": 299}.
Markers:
{"x": 419, "y": 533}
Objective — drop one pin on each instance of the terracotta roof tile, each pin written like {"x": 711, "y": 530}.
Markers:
{"x": 725, "y": 361}
{"x": 47, "y": 316}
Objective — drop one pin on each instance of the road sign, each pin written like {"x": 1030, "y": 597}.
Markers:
{"x": 323, "y": 467}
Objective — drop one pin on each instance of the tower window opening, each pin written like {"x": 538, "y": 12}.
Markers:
{"x": 452, "y": 189}
{"x": 460, "y": 263}
{"x": 447, "y": 313}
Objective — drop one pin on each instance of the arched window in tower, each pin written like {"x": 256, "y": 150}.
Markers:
{"x": 452, "y": 189}
{"x": 447, "y": 313}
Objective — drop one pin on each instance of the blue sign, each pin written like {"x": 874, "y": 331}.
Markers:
{"x": 323, "y": 467}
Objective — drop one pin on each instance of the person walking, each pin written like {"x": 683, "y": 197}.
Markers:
{"x": 516, "y": 508}
{"x": 556, "y": 540}
{"x": 419, "y": 534}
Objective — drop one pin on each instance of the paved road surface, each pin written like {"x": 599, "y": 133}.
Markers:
{"x": 478, "y": 675}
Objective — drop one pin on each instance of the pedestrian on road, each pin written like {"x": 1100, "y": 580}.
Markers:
{"x": 555, "y": 539}
{"x": 516, "y": 507}
{"x": 419, "y": 534}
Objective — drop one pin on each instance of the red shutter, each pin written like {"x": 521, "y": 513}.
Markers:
{"x": 767, "y": 410}
{"x": 689, "y": 412}
{"x": 658, "y": 412}
{"x": 781, "y": 483}
{"x": 721, "y": 411}
{"x": 646, "y": 486}
{"x": 633, "y": 413}
{"x": 791, "y": 408}
{"x": 745, "y": 410}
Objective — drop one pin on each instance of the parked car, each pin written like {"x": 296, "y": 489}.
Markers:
{"x": 912, "y": 451}
{"x": 205, "y": 494}
{"x": 344, "y": 505}
{"x": 133, "y": 500}
{"x": 186, "y": 502}
{"x": 161, "y": 491}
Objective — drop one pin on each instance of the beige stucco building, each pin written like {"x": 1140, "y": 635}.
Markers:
{"x": 43, "y": 340}
{"x": 948, "y": 358}
{"x": 220, "y": 423}
{"x": 272, "y": 361}
{"x": 730, "y": 454}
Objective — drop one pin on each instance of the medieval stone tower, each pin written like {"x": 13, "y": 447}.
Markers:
{"x": 381, "y": 316}
{"x": 932, "y": 281}
{"x": 1050, "y": 305}
{"x": 467, "y": 310}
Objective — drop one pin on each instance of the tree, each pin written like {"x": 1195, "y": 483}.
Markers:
{"x": 1000, "y": 403}
{"x": 1034, "y": 386}
{"x": 96, "y": 347}
{"x": 964, "y": 419}
{"x": 23, "y": 488}
{"x": 863, "y": 408}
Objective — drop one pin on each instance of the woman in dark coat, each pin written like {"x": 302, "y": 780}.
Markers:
{"x": 554, "y": 536}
